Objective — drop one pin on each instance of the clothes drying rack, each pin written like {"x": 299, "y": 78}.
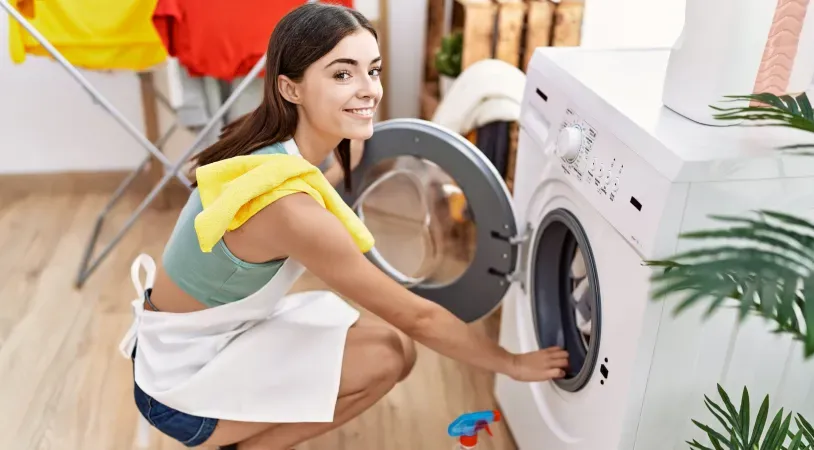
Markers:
{"x": 171, "y": 170}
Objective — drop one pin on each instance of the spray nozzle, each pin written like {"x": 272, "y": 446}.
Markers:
{"x": 467, "y": 426}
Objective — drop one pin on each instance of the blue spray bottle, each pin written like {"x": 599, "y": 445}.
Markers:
{"x": 467, "y": 426}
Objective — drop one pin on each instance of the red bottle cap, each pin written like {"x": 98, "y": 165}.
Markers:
{"x": 469, "y": 441}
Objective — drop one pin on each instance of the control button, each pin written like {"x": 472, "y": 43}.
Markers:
{"x": 569, "y": 142}
{"x": 615, "y": 185}
{"x": 600, "y": 170}
{"x": 581, "y": 161}
{"x": 607, "y": 178}
{"x": 592, "y": 166}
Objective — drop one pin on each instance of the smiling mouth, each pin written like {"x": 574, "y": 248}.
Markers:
{"x": 364, "y": 113}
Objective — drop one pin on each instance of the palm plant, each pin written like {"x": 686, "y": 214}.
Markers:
{"x": 765, "y": 263}
{"x": 739, "y": 434}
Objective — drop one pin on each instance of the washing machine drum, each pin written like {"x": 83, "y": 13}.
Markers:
{"x": 564, "y": 292}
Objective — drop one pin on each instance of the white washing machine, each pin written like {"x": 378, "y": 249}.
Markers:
{"x": 606, "y": 179}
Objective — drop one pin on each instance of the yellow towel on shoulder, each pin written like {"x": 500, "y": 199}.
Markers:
{"x": 235, "y": 189}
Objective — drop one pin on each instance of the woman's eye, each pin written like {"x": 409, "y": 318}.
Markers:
{"x": 376, "y": 72}
{"x": 342, "y": 76}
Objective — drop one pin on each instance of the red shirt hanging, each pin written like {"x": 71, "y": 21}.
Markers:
{"x": 220, "y": 38}
{"x": 348, "y": 3}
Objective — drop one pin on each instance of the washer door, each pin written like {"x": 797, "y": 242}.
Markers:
{"x": 440, "y": 213}
{"x": 565, "y": 298}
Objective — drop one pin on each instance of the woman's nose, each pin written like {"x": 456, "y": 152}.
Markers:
{"x": 369, "y": 88}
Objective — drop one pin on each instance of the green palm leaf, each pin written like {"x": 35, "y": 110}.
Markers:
{"x": 735, "y": 423}
{"x": 783, "y": 111}
{"x": 768, "y": 268}
{"x": 765, "y": 263}
{"x": 806, "y": 428}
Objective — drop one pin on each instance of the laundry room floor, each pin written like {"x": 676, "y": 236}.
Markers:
{"x": 64, "y": 386}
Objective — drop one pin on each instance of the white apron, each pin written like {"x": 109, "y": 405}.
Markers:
{"x": 270, "y": 357}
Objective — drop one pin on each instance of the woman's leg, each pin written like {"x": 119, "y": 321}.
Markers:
{"x": 376, "y": 357}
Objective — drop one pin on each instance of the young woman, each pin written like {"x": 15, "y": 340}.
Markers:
{"x": 312, "y": 365}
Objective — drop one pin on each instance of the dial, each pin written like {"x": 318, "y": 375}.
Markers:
{"x": 569, "y": 142}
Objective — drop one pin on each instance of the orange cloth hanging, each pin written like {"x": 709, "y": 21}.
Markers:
{"x": 348, "y": 3}
{"x": 221, "y": 38}
{"x": 91, "y": 34}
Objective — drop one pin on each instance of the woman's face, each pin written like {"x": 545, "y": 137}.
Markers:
{"x": 340, "y": 92}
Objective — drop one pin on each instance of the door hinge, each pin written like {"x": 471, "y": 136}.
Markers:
{"x": 519, "y": 274}
{"x": 520, "y": 238}
{"x": 515, "y": 277}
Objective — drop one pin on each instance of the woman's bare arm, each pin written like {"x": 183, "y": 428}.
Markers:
{"x": 299, "y": 227}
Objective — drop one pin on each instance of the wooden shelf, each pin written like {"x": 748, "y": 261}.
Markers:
{"x": 539, "y": 23}
{"x": 508, "y": 30}
{"x": 429, "y": 100}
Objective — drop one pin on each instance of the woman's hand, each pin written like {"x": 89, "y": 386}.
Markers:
{"x": 542, "y": 365}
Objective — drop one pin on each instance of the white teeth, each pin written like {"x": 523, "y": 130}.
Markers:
{"x": 366, "y": 112}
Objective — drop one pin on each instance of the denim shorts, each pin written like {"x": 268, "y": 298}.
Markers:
{"x": 187, "y": 429}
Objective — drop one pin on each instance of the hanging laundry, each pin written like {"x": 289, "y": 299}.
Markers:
{"x": 91, "y": 34}
{"x": 221, "y": 38}
{"x": 348, "y": 3}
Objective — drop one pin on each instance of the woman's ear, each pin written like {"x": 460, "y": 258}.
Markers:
{"x": 288, "y": 89}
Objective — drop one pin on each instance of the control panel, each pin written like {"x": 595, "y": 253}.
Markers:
{"x": 623, "y": 188}
{"x": 574, "y": 146}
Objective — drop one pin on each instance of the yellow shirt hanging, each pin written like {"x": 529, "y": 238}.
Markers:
{"x": 91, "y": 34}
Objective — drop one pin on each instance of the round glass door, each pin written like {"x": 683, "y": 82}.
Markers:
{"x": 565, "y": 295}
{"x": 421, "y": 221}
{"x": 440, "y": 214}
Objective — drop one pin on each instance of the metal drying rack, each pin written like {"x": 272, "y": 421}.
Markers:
{"x": 171, "y": 170}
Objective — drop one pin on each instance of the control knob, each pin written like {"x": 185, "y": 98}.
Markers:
{"x": 569, "y": 142}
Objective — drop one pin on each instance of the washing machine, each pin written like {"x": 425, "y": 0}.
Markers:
{"x": 606, "y": 179}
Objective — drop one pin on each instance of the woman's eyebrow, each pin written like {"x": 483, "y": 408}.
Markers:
{"x": 351, "y": 61}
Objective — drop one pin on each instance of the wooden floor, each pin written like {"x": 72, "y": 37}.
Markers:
{"x": 64, "y": 386}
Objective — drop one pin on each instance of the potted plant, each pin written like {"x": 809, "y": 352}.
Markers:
{"x": 448, "y": 60}
{"x": 766, "y": 265}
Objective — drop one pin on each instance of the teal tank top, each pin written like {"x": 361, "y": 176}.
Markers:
{"x": 218, "y": 277}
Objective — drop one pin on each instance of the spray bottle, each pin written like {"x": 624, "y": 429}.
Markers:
{"x": 467, "y": 426}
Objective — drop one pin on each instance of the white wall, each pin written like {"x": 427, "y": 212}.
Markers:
{"x": 632, "y": 23}
{"x": 408, "y": 29}
{"x": 39, "y": 133}
{"x": 48, "y": 123}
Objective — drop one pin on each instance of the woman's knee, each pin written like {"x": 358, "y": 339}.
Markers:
{"x": 388, "y": 356}
{"x": 377, "y": 353}
{"x": 401, "y": 352}
{"x": 409, "y": 354}
{"x": 376, "y": 357}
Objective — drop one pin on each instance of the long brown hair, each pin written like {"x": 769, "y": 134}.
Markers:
{"x": 303, "y": 36}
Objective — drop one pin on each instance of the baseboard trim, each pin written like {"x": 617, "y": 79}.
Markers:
{"x": 90, "y": 182}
